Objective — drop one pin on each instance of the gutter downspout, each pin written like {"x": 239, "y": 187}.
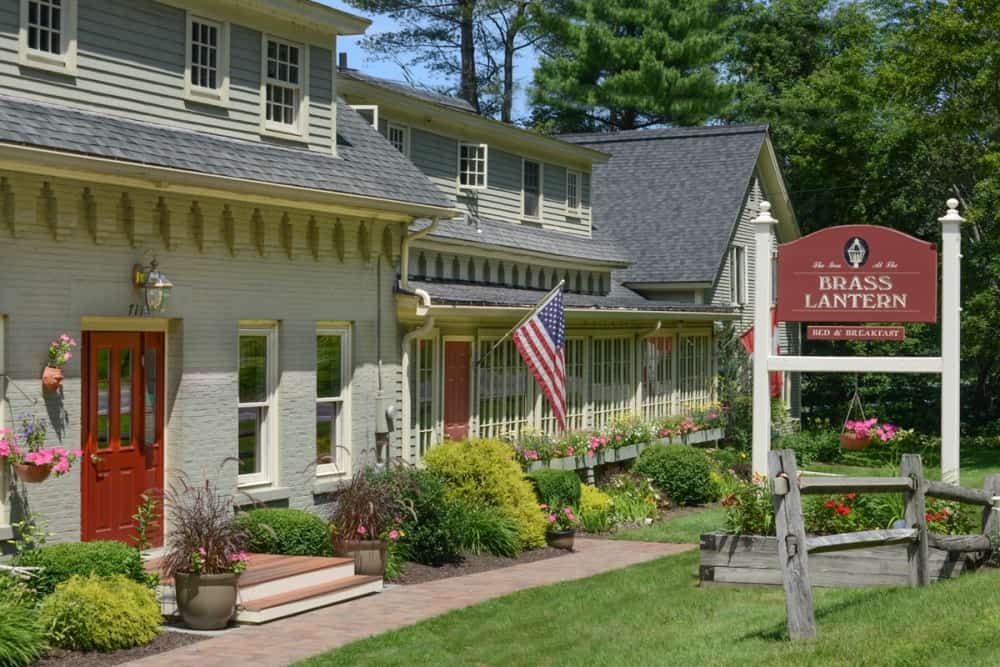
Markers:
{"x": 4, "y": 407}
{"x": 419, "y": 332}
{"x": 404, "y": 262}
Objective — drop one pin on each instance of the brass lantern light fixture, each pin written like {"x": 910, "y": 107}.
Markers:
{"x": 155, "y": 286}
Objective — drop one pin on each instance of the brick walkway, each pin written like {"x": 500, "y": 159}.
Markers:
{"x": 289, "y": 640}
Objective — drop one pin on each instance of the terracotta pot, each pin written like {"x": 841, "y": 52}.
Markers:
{"x": 52, "y": 378}
{"x": 29, "y": 473}
{"x": 206, "y": 601}
{"x": 369, "y": 555}
{"x": 561, "y": 539}
{"x": 853, "y": 442}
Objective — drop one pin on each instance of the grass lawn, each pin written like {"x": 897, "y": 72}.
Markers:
{"x": 684, "y": 529}
{"x": 975, "y": 465}
{"x": 655, "y": 614}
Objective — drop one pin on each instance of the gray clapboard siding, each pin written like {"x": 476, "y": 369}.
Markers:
{"x": 131, "y": 57}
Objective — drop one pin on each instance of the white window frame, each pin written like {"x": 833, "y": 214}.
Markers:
{"x": 269, "y": 448}
{"x": 341, "y": 459}
{"x": 300, "y": 130}
{"x": 389, "y": 127}
{"x": 574, "y": 211}
{"x": 486, "y": 166}
{"x": 541, "y": 190}
{"x": 63, "y": 63}
{"x": 368, "y": 107}
{"x": 219, "y": 95}
{"x": 738, "y": 275}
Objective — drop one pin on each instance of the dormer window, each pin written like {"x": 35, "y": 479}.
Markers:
{"x": 369, "y": 112}
{"x": 472, "y": 166}
{"x": 47, "y": 35}
{"x": 572, "y": 193}
{"x": 284, "y": 88}
{"x": 207, "y": 61}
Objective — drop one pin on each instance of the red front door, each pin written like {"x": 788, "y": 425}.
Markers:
{"x": 457, "y": 364}
{"x": 123, "y": 432}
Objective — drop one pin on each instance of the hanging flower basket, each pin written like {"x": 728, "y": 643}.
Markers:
{"x": 29, "y": 473}
{"x": 60, "y": 352}
{"x": 850, "y": 440}
{"x": 52, "y": 378}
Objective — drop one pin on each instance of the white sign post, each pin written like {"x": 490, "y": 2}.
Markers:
{"x": 947, "y": 365}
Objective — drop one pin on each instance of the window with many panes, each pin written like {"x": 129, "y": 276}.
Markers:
{"x": 506, "y": 390}
{"x": 207, "y": 60}
{"x": 256, "y": 409}
{"x": 472, "y": 165}
{"x": 656, "y": 376}
{"x": 737, "y": 275}
{"x": 576, "y": 389}
{"x": 695, "y": 377}
{"x": 398, "y": 136}
{"x": 611, "y": 386}
{"x": 532, "y": 188}
{"x": 572, "y": 192}
{"x": 332, "y": 384}
{"x": 48, "y": 34}
{"x": 423, "y": 416}
{"x": 284, "y": 86}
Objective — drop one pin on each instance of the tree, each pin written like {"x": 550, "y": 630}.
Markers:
{"x": 626, "y": 64}
{"x": 473, "y": 42}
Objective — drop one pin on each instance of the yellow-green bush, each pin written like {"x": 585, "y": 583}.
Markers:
{"x": 484, "y": 472}
{"x": 595, "y": 509}
{"x": 95, "y": 613}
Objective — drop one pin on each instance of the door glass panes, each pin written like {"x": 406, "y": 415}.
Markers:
{"x": 103, "y": 397}
{"x": 125, "y": 397}
{"x": 250, "y": 425}
{"x": 149, "y": 413}
{"x": 253, "y": 369}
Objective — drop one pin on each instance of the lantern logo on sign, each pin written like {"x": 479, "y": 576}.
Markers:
{"x": 856, "y": 252}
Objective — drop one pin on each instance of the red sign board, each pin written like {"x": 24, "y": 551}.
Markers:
{"x": 851, "y": 332}
{"x": 857, "y": 273}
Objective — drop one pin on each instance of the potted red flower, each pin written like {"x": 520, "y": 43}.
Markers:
{"x": 32, "y": 461}
{"x": 60, "y": 352}
{"x": 562, "y": 527}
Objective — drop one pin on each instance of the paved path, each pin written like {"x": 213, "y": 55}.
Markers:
{"x": 289, "y": 640}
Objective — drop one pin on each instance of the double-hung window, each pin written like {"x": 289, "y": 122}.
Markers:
{"x": 398, "y": 136}
{"x": 333, "y": 379}
{"x": 257, "y": 411}
{"x": 284, "y": 90}
{"x": 572, "y": 193}
{"x": 207, "y": 61}
{"x": 472, "y": 166}
{"x": 47, "y": 35}
{"x": 737, "y": 275}
{"x": 532, "y": 188}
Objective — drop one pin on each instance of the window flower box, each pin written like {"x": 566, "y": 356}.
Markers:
{"x": 626, "y": 453}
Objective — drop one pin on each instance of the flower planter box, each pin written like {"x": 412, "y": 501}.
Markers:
{"x": 753, "y": 560}
{"x": 627, "y": 453}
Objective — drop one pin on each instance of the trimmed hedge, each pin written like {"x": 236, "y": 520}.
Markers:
{"x": 682, "y": 472}
{"x": 60, "y": 562}
{"x": 556, "y": 488}
{"x": 290, "y": 532}
{"x": 484, "y": 473}
{"x": 97, "y": 613}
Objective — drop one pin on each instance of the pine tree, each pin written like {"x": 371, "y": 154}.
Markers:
{"x": 626, "y": 64}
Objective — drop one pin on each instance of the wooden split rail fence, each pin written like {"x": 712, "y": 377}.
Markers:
{"x": 794, "y": 546}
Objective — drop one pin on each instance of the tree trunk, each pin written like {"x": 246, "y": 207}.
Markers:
{"x": 468, "y": 89}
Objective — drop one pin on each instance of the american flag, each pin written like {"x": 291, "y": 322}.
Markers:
{"x": 541, "y": 340}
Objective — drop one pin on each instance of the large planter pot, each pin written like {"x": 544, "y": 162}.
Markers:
{"x": 52, "y": 378}
{"x": 368, "y": 555}
{"x": 206, "y": 601}
{"x": 853, "y": 442}
{"x": 29, "y": 473}
{"x": 561, "y": 539}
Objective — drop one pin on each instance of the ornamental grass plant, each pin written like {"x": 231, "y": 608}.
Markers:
{"x": 22, "y": 641}
{"x": 205, "y": 537}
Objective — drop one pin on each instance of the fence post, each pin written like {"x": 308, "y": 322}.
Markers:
{"x": 916, "y": 517}
{"x": 990, "y": 519}
{"x": 791, "y": 532}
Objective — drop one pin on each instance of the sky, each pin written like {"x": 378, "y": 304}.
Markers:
{"x": 358, "y": 58}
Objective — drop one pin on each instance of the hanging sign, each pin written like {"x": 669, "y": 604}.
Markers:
{"x": 857, "y": 273}
{"x": 847, "y": 332}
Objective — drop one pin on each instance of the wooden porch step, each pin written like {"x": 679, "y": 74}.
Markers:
{"x": 298, "y": 600}
{"x": 263, "y": 568}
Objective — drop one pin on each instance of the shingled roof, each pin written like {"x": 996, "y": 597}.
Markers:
{"x": 408, "y": 90}
{"x": 365, "y": 164}
{"x": 671, "y": 198}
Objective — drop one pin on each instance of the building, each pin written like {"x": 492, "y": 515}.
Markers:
{"x": 650, "y": 232}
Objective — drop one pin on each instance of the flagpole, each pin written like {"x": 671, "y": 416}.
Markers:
{"x": 531, "y": 312}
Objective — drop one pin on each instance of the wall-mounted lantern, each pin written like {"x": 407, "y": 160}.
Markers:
{"x": 155, "y": 286}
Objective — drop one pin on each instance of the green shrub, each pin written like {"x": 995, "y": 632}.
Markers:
{"x": 97, "y": 613}
{"x": 682, "y": 472}
{"x": 595, "y": 509}
{"x": 556, "y": 488}
{"x": 489, "y": 530}
{"x": 286, "y": 531}
{"x": 434, "y": 535}
{"x": 484, "y": 473}
{"x": 750, "y": 510}
{"x": 59, "y": 562}
{"x": 633, "y": 499}
{"x": 21, "y": 639}
{"x": 812, "y": 446}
